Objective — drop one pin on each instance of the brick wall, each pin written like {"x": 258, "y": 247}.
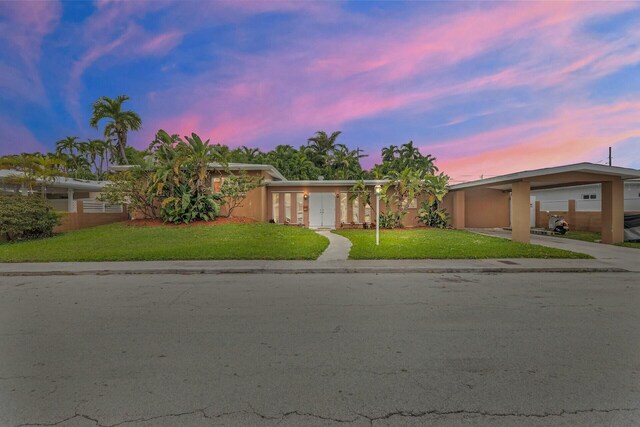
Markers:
{"x": 80, "y": 219}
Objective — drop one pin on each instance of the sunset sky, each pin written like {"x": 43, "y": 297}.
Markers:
{"x": 486, "y": 87}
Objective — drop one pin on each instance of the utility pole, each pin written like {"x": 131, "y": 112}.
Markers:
{"x": 609, "y": 156}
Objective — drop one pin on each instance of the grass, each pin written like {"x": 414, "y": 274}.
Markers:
{"x": 122, "y": 242}
{"x": 586, "y": 236}
{"x": 590, "y": 236}
{"x": 443, "y": 244}
{"x": 631, "y": 244}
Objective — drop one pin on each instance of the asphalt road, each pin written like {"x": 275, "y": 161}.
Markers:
{"x": 320, "y": 349}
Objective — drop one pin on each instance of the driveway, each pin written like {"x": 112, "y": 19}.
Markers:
{"x": 612, "y": 255}
{"x": 512, "y": 349}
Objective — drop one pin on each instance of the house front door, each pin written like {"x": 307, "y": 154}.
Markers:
{"x": 322, "y": 210}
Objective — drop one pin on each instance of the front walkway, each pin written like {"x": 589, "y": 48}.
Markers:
{"x": 338, "y": 249}
{"x": 612, "y": 255}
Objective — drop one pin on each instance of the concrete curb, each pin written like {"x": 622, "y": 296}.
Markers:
{"x": 328, "y": 270}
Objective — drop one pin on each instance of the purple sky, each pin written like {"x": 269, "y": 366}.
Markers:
{"x": 486, "y": 87}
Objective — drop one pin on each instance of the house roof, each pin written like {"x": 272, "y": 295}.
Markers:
{"x": 275, "y": 173}
{"x": 63, "y": 182}
{"x": 325, "y": 183}
{"x": 552, "y": 176}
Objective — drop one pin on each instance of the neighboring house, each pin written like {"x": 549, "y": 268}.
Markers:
{"x": 75, "y": 198}
{"x": 580, "y": 205}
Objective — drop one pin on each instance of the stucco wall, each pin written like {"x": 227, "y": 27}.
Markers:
{"x": 78, "y": 220}
{"x": 484, "y": 207}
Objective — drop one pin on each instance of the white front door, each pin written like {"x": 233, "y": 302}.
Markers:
{"x": 322, "y": 210}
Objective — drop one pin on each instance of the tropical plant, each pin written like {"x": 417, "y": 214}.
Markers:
{"x": 119, "y": 124}
{"x": 181, "y": 179}
{"x": 185, "y": 206}
{"x": 430, "y": 215}
{"x": 235, "y": 189}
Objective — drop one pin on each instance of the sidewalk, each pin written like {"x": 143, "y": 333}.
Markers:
{"x": 518, "y": 265}
{"x": 608, "y": 255}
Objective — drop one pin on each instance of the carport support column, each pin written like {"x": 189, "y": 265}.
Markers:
{"x": 612, "y": 211}
{"x": 458, "y": 220}
{"x": 520, "y": 214}
{"x": 71, "y": 207}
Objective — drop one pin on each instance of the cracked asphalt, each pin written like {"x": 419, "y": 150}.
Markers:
{"x": 546, "y": 349}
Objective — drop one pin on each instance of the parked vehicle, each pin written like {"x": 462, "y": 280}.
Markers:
{"x": 558, "y": 224}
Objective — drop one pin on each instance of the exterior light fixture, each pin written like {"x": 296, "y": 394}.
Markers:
{"x": 306, "y": 196}
{"x": 378, "y": 189}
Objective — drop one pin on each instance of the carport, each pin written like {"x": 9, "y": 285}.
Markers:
{"x": 506, "y": 200}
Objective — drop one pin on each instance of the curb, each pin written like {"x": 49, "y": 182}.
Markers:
{"x": 341, "y": 270}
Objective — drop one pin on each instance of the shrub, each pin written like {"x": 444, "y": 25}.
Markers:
{"x": 390, "y": 219}
{"x": 187, "y": 206}
{"x": 26, "y": 217}
{"x": 430, "y": 215}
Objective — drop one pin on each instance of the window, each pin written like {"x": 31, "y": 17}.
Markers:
{"x": 287, "y": 208}
{"x": 275, "y": 206}
{"x": 300, "y": 205}
{"x": 367, "y": 213}
{"x": 356, "y": 210}
{"x": 343, "y": 208}
{"x": 216, "y": 184}
{"x": 588, "y": 197}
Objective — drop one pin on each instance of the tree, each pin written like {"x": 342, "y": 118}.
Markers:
{"x": 120, "y": 122}
{"x": 430, "y": 214}
{"x": 235, "y": 189}
{"x": 180, "y": 176}
{"x": 67, "y": 145}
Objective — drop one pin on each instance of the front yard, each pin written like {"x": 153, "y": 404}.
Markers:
{"x": 125, "y": 242}
{"x": 443, "y": 244}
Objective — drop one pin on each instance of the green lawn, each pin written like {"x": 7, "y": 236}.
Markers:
{"x": 122, "y": 242}
{"x": 442, "y": 244}
{"x": 590, "y": 236}
{"x": 631, "y": 244}
{"x": 586, "y": 236}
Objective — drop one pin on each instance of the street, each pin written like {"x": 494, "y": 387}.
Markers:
{"x": 514, "y": 349}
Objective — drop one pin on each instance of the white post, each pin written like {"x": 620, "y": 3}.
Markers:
{"x": 377, "y": 215}
{"x": 70, "y": 206}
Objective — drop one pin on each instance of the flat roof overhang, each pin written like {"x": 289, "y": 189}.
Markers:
{"x": 325, "y": 183}
{"x": 554, "y": 177}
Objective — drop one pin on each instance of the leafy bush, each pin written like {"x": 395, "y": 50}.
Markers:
{"x": 390, "y": 219}
{"x": 26, "y": 217}
{"x": 431, "y": 216}
{"x": 186, "y": 206}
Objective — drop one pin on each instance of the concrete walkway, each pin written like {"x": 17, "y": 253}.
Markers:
{"x": 338, "y": 249}
{"x": 611, "y": 255}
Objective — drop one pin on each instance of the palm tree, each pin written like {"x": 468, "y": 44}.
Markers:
{"x": 67, "y": 145}
{"x": 389, "y": 153}
{"x": 249, "y": 154}
{"x": 121, "y": 122}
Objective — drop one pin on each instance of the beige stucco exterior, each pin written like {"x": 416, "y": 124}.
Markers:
{"x": 505, "y": 201}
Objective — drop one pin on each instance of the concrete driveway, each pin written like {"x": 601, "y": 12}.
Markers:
{"x": 612, "y": 255}
{"x": 512, "y": 349}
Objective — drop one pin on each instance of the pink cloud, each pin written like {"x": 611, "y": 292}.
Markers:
{"x": 18, "y": 139}
{"x": 572, "y": 134}
{"x": 27, "y": 23}
{"x": 362, "y": 75}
